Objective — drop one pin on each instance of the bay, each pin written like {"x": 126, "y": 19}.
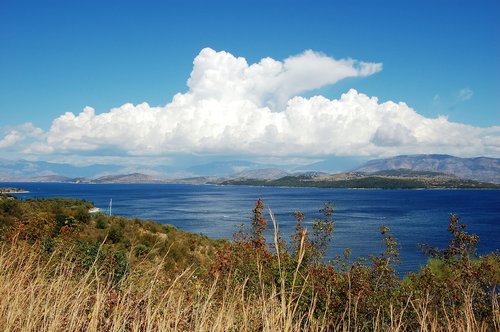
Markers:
{"x": 414, "y": 216}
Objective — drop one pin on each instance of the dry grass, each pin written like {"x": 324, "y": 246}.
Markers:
{"x": 49, "y": 296}
{"x": 39, "y": 293}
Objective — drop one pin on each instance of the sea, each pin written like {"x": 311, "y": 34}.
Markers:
{"x": 413, "y": 216}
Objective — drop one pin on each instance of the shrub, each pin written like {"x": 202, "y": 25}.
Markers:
{"x": 462, "y": 245}
{"x": 81, "y": 214}
{"x": 115, "y": 234}
{"x": 100, "y": 221}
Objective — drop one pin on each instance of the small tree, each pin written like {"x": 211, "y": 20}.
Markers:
{"x": 316, "y": 243}
{"x": 258, "y": 225}
{"x": 462, "y": 244}
{"x": 322, "y": 232}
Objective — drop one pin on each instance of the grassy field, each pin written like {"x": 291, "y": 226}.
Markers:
{"x": 62, "y": 269}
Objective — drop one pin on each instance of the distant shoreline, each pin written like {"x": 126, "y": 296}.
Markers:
{"x": 307, "y": 184}
{"x": 372, "y": 182}
{"x": 354, "y": 188}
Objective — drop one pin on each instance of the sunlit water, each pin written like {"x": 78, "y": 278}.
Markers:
{"x": 414, "y": 216}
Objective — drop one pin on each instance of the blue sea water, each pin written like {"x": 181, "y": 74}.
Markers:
{"x": 414, "y": 216}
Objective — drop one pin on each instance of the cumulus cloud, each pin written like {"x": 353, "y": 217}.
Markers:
{"x": 232, "y": 107}
{"x": 224, "y": 77}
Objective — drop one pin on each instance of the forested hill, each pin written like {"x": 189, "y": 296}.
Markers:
{"x": 388, "y": 179}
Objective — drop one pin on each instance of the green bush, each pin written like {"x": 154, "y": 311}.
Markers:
{"x": 100, "y": 221}
{"x": 81, "y": 214}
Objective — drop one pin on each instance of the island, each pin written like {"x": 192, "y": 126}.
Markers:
{"x": 388, "y": 179}
{"x": 12, "y": 190}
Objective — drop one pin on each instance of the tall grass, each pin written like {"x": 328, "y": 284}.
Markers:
{"x": 38, "y": 295}
{"x": 52, "y": 293}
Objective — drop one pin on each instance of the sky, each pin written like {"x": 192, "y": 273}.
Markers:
{"x": 286, "y": 82}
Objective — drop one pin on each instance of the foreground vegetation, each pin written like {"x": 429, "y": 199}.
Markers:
{"x": 62, "y": 269}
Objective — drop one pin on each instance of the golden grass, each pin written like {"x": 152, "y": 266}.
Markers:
{"x": 39, "y": 293}
{"x": 49, "y": 296}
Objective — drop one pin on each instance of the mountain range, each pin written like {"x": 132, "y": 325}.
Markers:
{"x": 481, "y": 169}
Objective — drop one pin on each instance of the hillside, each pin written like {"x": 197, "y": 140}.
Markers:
{"x": 63, "y": 269}
{"x": 63, "y": 223}
{"x": 480, "y": 169}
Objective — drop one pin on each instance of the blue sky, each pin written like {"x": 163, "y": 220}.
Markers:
{"x": 441, "y": 58}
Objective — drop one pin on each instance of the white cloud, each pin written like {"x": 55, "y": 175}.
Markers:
{"x": 465, "y": 94}
{"x": 19, "y": 134}
{"x": 232, "y": 107}
{"x": 222, "y": 76}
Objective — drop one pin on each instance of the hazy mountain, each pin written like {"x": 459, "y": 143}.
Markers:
{"x": 198, "y": 180}
{"x": 127, "y": 178}
{"x": 480, "y": 168}
{"x": 17, "y": 169}
{"x": 310, "y": 174}
{"x": 262, "y": 174}
{"x": 332, "y": 164}
{"x": 45, "y": 178}
{"x": 223, "y": 168}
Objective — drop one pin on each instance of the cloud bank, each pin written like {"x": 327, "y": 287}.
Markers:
{"x": 232, "y": 107}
